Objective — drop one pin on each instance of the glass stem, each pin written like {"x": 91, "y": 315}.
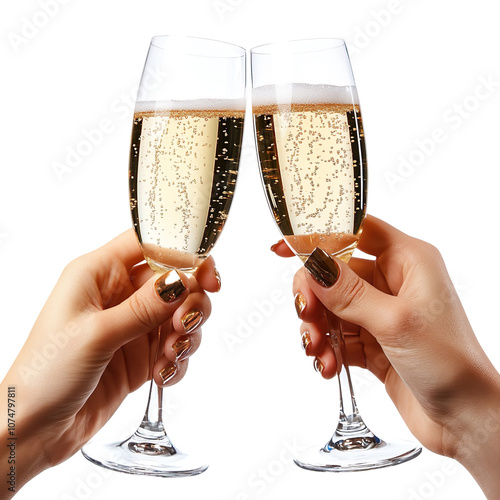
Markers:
{"x": 152, "y": 421}
{"x": 151, "y": 437}
{"x": 351, "y": 432}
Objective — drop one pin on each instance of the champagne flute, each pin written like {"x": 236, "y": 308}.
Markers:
{"x": 311, "y": 149}
{"x": 186, "y": 140}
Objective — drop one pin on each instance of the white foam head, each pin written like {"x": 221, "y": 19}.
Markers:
{"x": 304, "y": 93}
{"x": 195, "y": 104}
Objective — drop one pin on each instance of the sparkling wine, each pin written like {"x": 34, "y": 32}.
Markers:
{"x": 312, "y": 155}
{"x": 183, "y": 169}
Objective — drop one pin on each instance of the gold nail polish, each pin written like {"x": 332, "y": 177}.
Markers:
{"x": 318, "y": 365}
{"x": 181, "y": 347}
{"x": 217, "y": 277}
{"x": 322, "y": 268}
{"x": 168, "y": 372}
{"x": 169, "y": 286}
{"x": 300, "y": 304}
{"x": 306, "y": 340}
{"x": 192, "y": 320}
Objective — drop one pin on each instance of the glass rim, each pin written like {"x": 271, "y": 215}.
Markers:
{"x": 325, "y": 42}
{"x": 240, "y": 51}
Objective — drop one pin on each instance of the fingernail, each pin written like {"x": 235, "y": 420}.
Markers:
{"x": 192, "y": 320}
{"x": 306, "y": 340}
{"x": 300, "y": 304}
{"x": 322, "y": 268}
{"x": 169, "y": 286}
{"x": 168, "y": 372}
{"x": 181, "y": 347}
{"x": 217, "y": 277}
{"x": 318, "y": 365}
{"x": 275, "y": 246}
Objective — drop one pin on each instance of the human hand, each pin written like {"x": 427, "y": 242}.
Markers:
{"x": 95, "y": 341}
{"x": 402, "y": 319}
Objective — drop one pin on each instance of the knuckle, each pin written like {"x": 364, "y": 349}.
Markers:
{"x": 421, "y": 248}
{"x": 82, "y": 266}
{"x": 430, "y": 251}
{"x": 94, "y": 325}
{"x": 407, "y": 319}
{"x": 144, "y": 312}
{"x": 73, "y": 266}
{"x": 352, "y": 292}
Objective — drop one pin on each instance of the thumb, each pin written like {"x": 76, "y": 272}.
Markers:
{"x": 145, "y": 310}
{"x": 347, "y": 295}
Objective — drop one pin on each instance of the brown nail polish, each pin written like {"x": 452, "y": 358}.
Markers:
{"x": 169, "y": 286}
{"x": 192, "y": 320}
{"x": 181, "y": 347}
{"x": 306, "y": 340}
{"x": 322, "y": 268}
{"x": 217, "y": 277}
{"x": 300, "y": 304}
{"x": 275, "y": 246}
{"x": 168, "y": 372}
{"x": 318, "y": 365}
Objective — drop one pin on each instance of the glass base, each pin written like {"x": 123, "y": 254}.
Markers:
{"x": 376, "y": 456}
{"x": 147, "y": 457}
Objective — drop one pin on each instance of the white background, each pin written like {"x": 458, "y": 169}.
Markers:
{"x": 242, "y": 405}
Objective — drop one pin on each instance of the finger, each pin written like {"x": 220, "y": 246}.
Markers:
{"x": 167, "y": 373}
{"x": 378, "y": 236}
{"x": 326, "y": 362}
{"x": 313, "y": 337}
{"x": 366, "y": 270}
{"x": 363, "y": 268}
{"x": 350, "y": 329}
{"x": 179, "y": 347}
{"x": 124, "y": 248}
{"x": 307, "y": 306}
{"x": 144, "y": 311}
{"x": 355, "y": 351}
{"x": 282, "y": 249}
{"x": 192, "y": 313}
{"x": 208, "y": 277}
{"x": 348, "y": 296}
{"x": 313, "y": 311}
{"x": 139, "y": 274}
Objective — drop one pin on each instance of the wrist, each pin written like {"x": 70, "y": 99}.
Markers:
{"x": 21, "y": 456}
{"x": 476, "y": 432}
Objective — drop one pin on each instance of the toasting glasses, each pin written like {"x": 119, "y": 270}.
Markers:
{"x": 312, "y": 155}
{"x": 184, "y": 157}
